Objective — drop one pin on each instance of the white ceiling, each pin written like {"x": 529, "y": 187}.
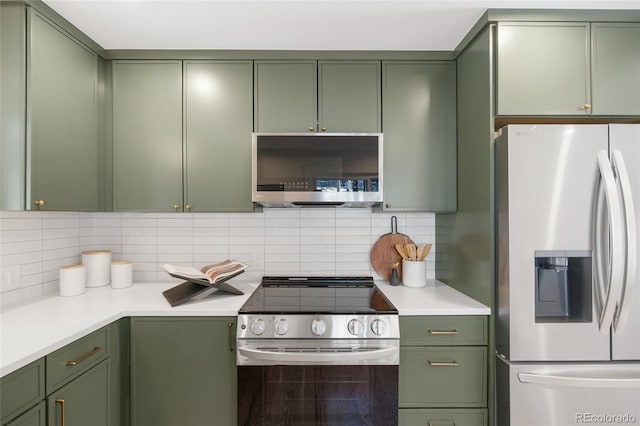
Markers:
{"x": 292, "y": 24}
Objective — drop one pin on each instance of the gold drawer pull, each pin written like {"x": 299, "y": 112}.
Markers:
{"x": 61, "y": 402}
{"x": 89, "y": 354}
{"x": 441, "y": 332}
{"x": 433, "y": 424}
{"x": 443, "y": 364}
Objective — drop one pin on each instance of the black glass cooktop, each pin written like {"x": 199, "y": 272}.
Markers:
{"x": 321, "y": 295}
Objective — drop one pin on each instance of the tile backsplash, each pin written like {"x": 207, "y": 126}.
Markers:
{"x": 33, "y": 245}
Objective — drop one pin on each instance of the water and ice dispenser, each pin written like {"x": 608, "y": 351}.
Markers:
{"x": 563, "y": 289}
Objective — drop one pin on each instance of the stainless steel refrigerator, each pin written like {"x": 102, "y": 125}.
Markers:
{"x": 568, "y": 296}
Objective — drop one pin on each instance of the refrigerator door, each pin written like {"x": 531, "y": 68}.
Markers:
{"x": 624, "y": 140}
{"x": 561, "y": 394}
{"x": 546, "y": 178}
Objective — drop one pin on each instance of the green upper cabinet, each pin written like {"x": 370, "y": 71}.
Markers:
{"x": 218, "y": 116}
{"x": 419, "y": 125}
{"x": 62, "y": 172}
{"x": 147, "y": 135}
{"x": 349, "y": 96}
{"x": 310, "y": 96}
{"x": 285, "y": 96}
{"x": 543, "y": 69}
{"x": 615, "y": 68}
{"x": 574, "y": 68}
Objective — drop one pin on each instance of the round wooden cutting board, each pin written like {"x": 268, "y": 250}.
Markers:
{"x": 384, "y": 253}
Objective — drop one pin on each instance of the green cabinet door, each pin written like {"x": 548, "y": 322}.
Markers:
{"x": 615, "y": 68}
{"x": 543, "y": 69}
{"x": 442, "y": 417}
{"x": 218, "y": 120}
{"x": 147, "y": 135}
{"x": 37, "y": 416}
{"x": 419, "y": 126}
{"x": 349, "y": 96}
{"x": 183, "y": 371}
{"x": 21, "y": 390}
{"x": 285, "y": 96}
{"x": 61, "y": 120}
{"x": 83, "y": 401}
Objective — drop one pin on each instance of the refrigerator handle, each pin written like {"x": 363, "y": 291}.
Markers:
{"x": 624, "y": 300}
{"x": 580, "y": 381}
{"x": 616, "y": 267}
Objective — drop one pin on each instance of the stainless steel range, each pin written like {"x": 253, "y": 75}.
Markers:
{"x": 318, "y": 351}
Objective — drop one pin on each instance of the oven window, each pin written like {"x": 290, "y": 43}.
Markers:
{"x": 336, "y": 395}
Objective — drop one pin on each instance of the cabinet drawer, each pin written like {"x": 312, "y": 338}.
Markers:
{"x": 72, "y": 360}
{"x": 435, "y": 417}
{"x": 443, "y": 377}
{"x": 21, "y": 389}
{"x": 443, "y": 330}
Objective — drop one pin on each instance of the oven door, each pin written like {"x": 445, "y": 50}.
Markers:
{"x": 306, "y": 383}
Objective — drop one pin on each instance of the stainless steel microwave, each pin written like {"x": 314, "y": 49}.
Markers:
{"x": 317, "y": 169}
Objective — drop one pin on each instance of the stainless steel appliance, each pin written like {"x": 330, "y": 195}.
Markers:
{"x": 318, "y": 351}
{"x": 311, "y": 169}
{"x": 568, "y": 325}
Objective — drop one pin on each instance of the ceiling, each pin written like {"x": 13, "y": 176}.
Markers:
{"x": 292, "y": 24}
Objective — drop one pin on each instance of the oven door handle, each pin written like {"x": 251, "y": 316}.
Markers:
{"x": 334, "y": 357}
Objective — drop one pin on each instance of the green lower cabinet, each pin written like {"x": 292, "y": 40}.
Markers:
{"x": 83, "y": 401}
{"x": 21, "y": 390}
{"x": 37, "y": 416}
{"x": 442, "y": 417}
{"x": 183, "y": 371}
{"x": 445, "y": 376}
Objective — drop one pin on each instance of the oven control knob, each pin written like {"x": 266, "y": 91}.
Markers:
{"x": 281, "y": 326}
{"x": 378, "y": 327}
{"x": 355, "y": 327}
{"x": 258, "y": 327}
{"x": 318, "y": 327}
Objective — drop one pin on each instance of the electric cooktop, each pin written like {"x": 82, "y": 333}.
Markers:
{"x": 320, "y": 295}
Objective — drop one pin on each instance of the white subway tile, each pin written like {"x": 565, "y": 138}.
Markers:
{"x": 18, "y": 224}
{"x": 145, "y": 276}
{"x": 282, "y": 240}
{"x": 20, "y": 247}
{"x": 20, "y": 214}
{"x": 139, "y": 223}
{"x": 288, "y": 214}
{"x": 59, "y": 253}
{"x": 175, "y": 258}
{"x": 271, "y": 257}
{"x": 311, "y": 240}
{"x": 60, "y": 243}
{"x": 317, "y": 248}
{"x": 318, "y": 257}
{"x": 175, "y": 248}
{"x": 141, "y": 248}
{"x": 13, "y": 236}
{"x": 20, "y": 258}
{"x": 318, "y": 214}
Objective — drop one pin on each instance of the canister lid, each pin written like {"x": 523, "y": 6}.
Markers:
{"x": 92, "y": 252}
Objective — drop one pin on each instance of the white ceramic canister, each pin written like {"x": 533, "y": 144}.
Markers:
{"x": 414, "y": 273}
{"x": 72, "y": 280}
{"x": 121, "y": 274}
{"x": 98, "y": 265}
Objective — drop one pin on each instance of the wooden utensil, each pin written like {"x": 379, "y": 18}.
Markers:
{"x": 425, "y": 251}
{"x": 400, "y": 249}
{"x": 384, "y": 253}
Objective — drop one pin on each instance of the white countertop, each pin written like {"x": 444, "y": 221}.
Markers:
{"x": 33, "y": 330}
{"x": 436, "y": 298}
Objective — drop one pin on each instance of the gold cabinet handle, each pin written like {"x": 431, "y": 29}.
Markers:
{"x": 176, "y": 206}
{"x": 387, "y": 205}
{"x": 442, "y": 332}
{"x": 431, "y": 424}
{"x": 311, "y": 129}
{"x": 188, "y": 207}
{"x": 40, "y": 203}
{"x": 84, "y": 357}
{"x": 443, "y": 363}
{"x": 324, "y": 129}
{"x": 231, "y": 345}
{"x": 585, "y": 107}
{"x": 61, "y": 402}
